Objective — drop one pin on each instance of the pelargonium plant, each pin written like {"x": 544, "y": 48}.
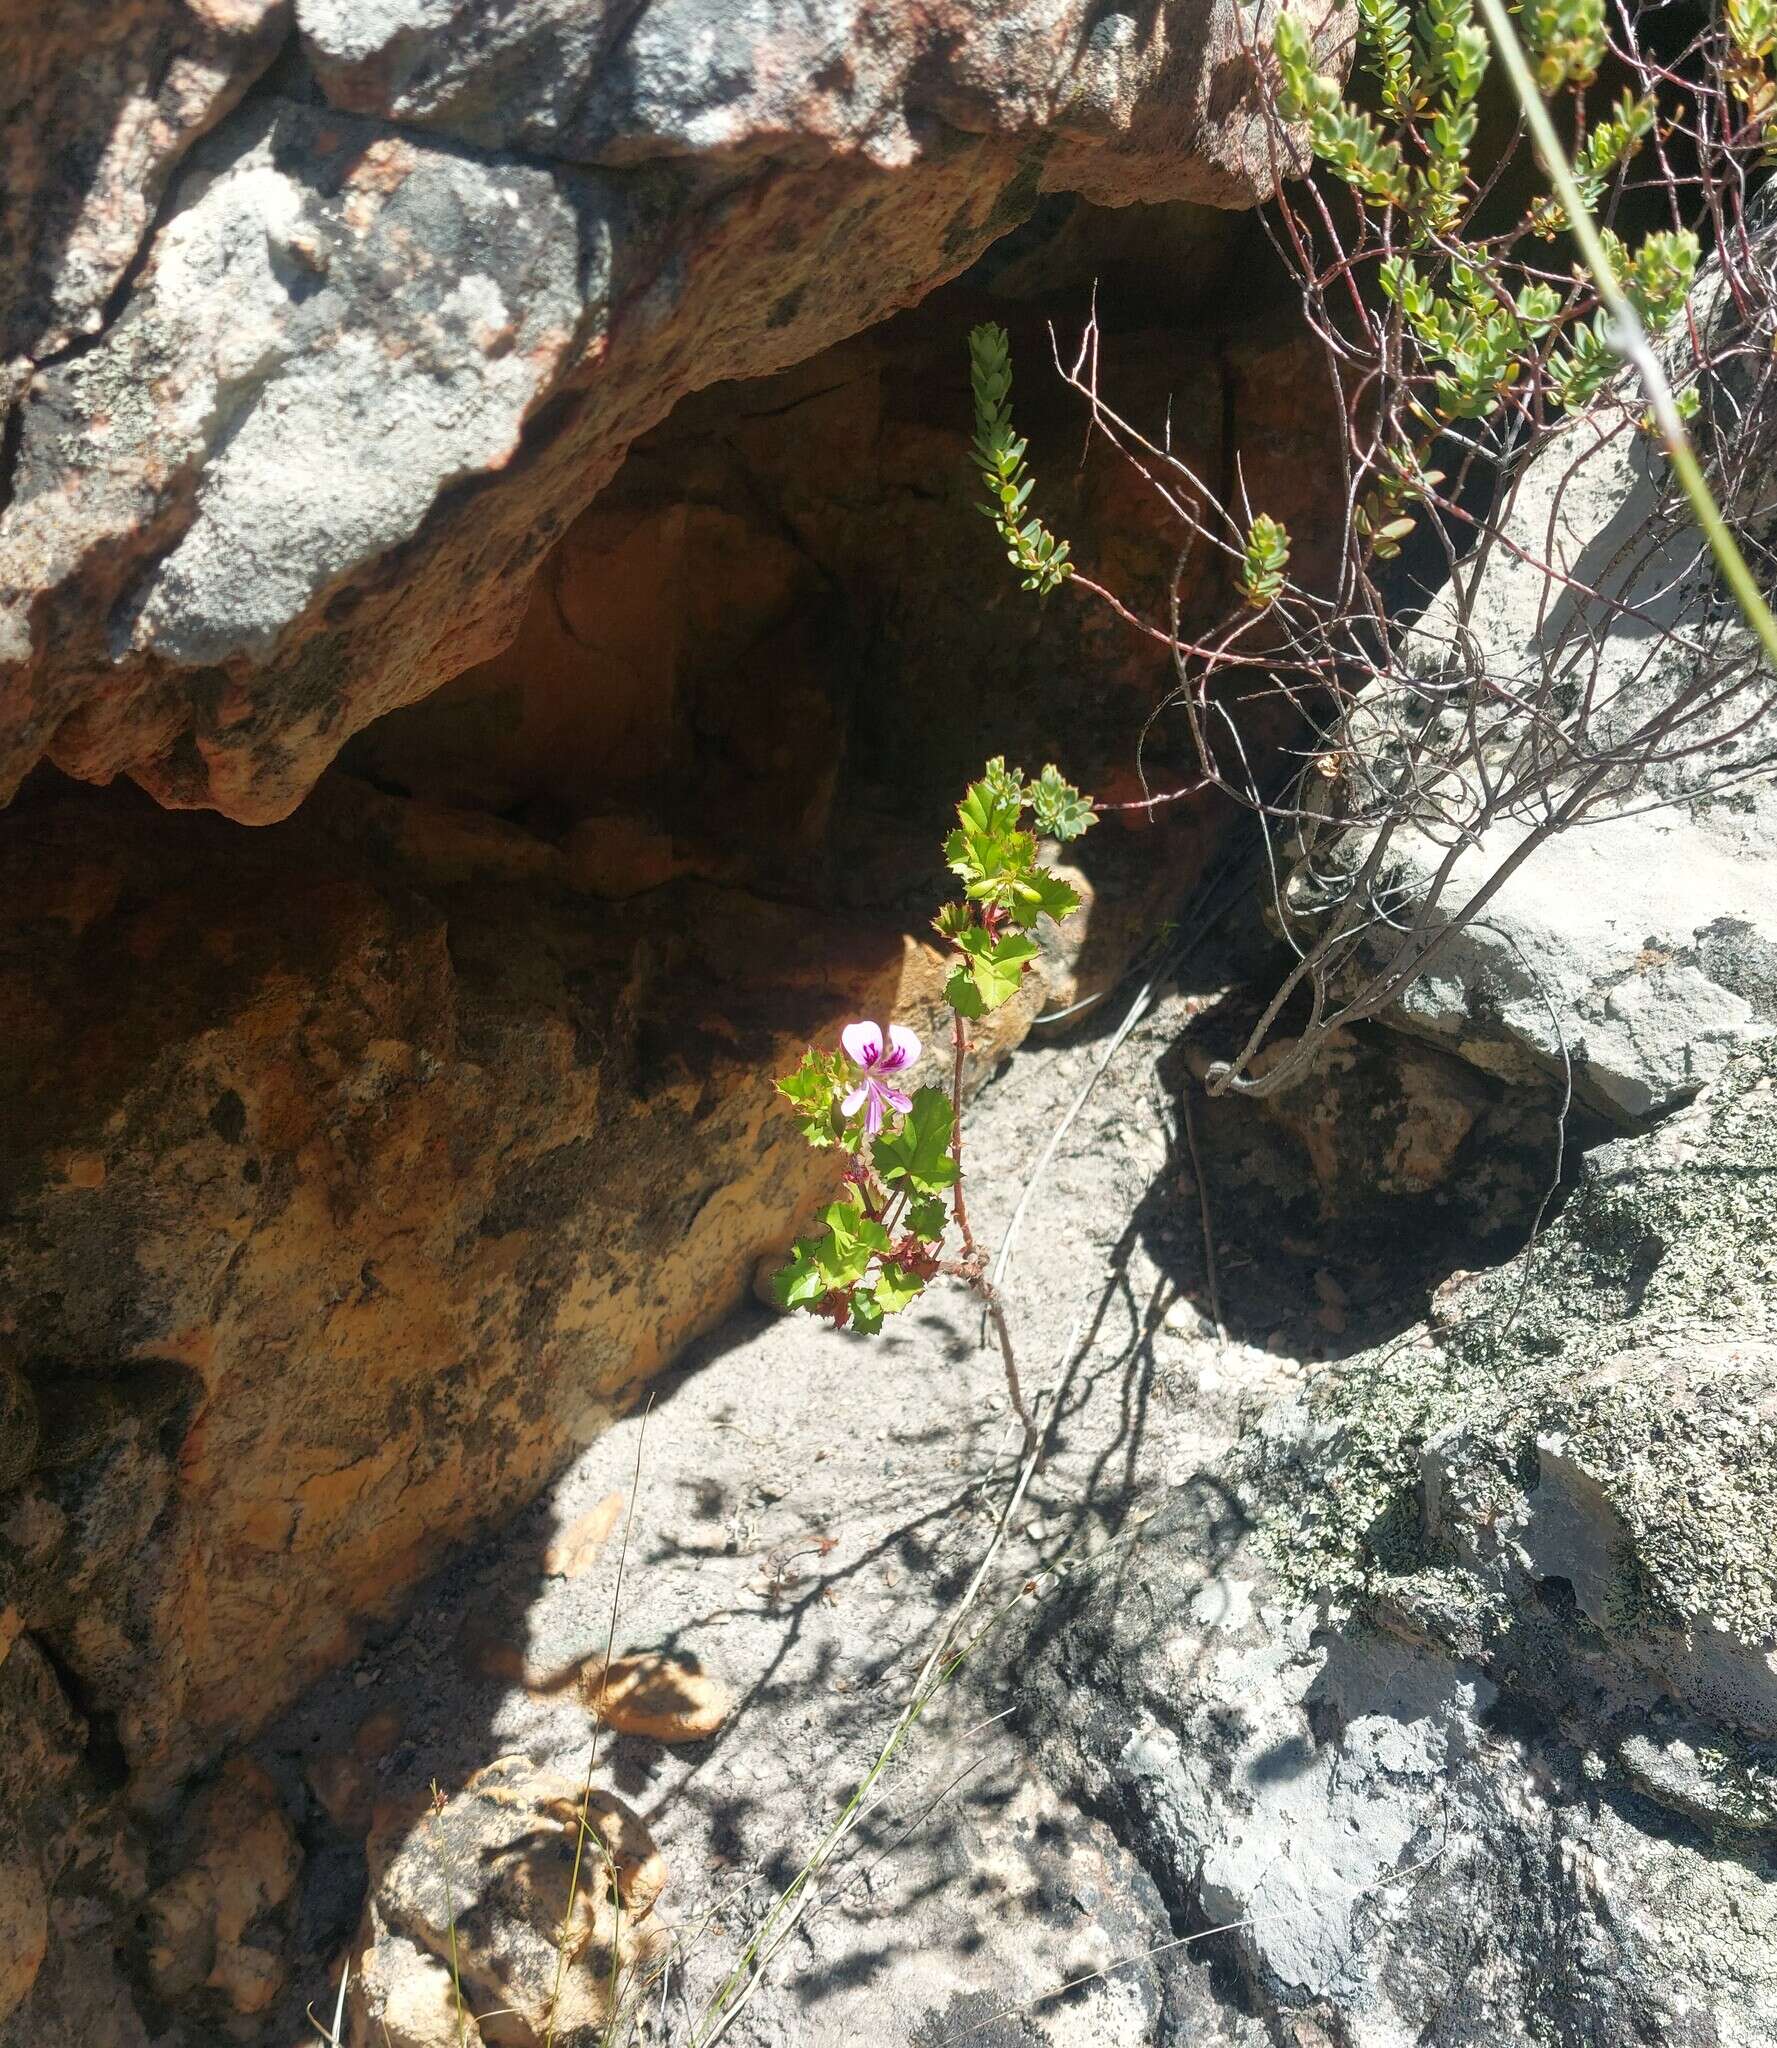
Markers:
{"x": 883, "y": 1240}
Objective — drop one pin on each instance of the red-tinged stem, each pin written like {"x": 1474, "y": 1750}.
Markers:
{"x": 1153, "y": 803}
{"x": 969, "y": 1267}
{"x": 956, "y": 1132}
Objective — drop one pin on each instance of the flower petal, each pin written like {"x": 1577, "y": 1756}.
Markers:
{"x": 904, "y": 1048}
{"x": 873, "y": 1121}
{"x": 856, "y": 1099}
{"x": 862, "y": 1042}
{"x": 895, "y": 1099}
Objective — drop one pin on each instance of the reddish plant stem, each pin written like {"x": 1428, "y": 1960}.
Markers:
{"x": 956, "y": 1132}
{"x": 969, "y": 1267}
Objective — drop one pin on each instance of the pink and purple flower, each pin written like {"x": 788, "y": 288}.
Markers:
{"x": 866, "y": 1048}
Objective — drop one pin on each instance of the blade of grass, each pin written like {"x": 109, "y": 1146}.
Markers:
{"x": 1629, "y": 337}
{"x": 580, "y": 1833}
{"x": 450, "y": 1908}
{"x": 940, "y": 1666}
{"x": 335, "y": 2038}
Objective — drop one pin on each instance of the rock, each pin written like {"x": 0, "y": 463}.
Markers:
{"x": 497, "y": 1863}
{"x": 446, "y": 1160}
{"x": 80, "y": 1999}
{"x": 343, "y": 1787}
{"x": 101, "y": 101}
{"x": 1643, "y": 941}
{"x": 206, "y": 1926}
{"x": 376, "y": 1735}
{"x": 24, "y": 1924}
{"x": 1651, "y": 936}
{"x": 1385, "y": 1141}
{"x": 662, "y": 1697}
{"x": 18, "y": 1426}
{"x": 403, "y": 309}
{"x": 1685, "y": 1768}
{"x": 617, "y": 857}
{"x": 576, "y": 1549}
{"x": 42, "y": 1738}
{"x": 818, "y": 528}
{"x": 41, "y": 1742}
{"x": 1490, "y": 1614}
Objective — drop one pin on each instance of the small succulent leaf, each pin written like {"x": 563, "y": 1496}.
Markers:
{"x": 1061, "y": 812}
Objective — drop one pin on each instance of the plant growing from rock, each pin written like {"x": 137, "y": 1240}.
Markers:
{"x": 887, "y": 1236}
{"x": 1472, "y": 321}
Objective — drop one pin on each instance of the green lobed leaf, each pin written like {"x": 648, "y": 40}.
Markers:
{"x": 866, "y": 1312}
{"x": 852, "y": 1241}
{"x": 918, "y": 1154}
{"x": 1041, "y": 894}
{"x": 962, "y": 995}
{"x": 997, "y": 965}
{"x": 895, "y": 1288}
{"x": 927, "y": 1217}
{"x": 800, "y": 1281}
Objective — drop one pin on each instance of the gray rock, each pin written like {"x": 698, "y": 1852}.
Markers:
{"x": 469, "y": 1902}
{"x": 619, "y": 84}
{"x": 1641, "y": 943}
{"x": 400, "y": 318}
{"x": 245, "y": 385}
{"x": 1465, "y": 1733}
{"x": 100, "y": 99}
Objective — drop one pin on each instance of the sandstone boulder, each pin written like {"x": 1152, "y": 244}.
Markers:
{"x": 391, "y": 1165}
{"x": 488, "y": 1875}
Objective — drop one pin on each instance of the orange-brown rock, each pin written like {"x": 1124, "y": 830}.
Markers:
{"x": 577, "y": 1547}
{"x": 417, "y": 1162}
{"x": 376, "y": 1735}
{"x": 201, "y": 1924}
{"x": 654, "y": 1694}
{"x": 342, "y": 1785}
